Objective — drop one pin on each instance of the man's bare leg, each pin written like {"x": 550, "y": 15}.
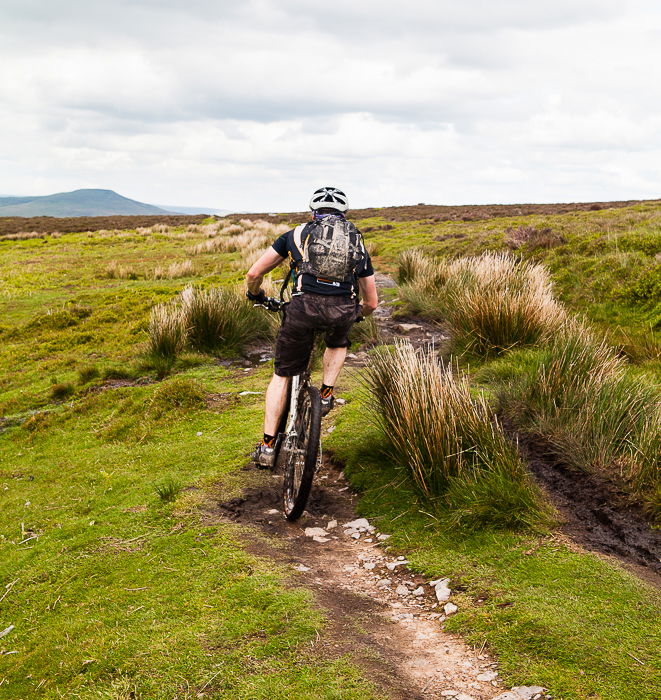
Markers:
{"x": 276, "y": 397}
{"x": 333, "y": 363}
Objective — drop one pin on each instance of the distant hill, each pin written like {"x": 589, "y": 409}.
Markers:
{"x": 77, "y": 203}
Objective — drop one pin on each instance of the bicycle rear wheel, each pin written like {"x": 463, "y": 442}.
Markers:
{"x": 301, "y": 454}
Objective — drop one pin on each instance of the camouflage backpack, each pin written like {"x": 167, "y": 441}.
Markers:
{"x": 332, "y": 250}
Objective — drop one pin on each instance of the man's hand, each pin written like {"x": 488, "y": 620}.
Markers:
{"x": 258, "y": 298}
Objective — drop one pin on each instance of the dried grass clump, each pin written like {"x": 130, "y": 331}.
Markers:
{"x": 22, "y": 236}
{"x": 174, "y": 271}
{"x": 532, "y": 238}
{"x": 167, "y": 332}
{"x": 115, "y": 270}
{"x": 593, "y": 412}
{"x": 490, "y": 303}
{"x": 249, "y": 240}
{"x": 450, "y": 442}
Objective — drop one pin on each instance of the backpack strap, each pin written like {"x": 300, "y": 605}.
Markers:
{"x": 298, "y": 233}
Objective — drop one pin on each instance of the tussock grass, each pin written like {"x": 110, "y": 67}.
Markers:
{"x": 412, "y": 264}
{"x": 532, "y": 238}
{"x": 366, "y": 332}
{"x": 208, "y": 320}
{"x": 248, "y": 237}
{"x": 220, "y": 319}
{"x": 167, "y": 332}
{"x": 490, "y": 303}
{"x": 449, "y": 441}
{"x": 595, "y": 414}
{"x": 87, "y": 373}
{"x": 174, "y": 270}
{"x": 62, "y": 390}
{"x": 115, "y": 270}
{"x": 176, "y": 394}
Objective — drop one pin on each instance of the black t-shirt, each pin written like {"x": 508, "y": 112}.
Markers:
{"x": 286, "y": 247}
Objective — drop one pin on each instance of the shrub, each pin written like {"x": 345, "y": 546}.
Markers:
{"x": 167, "y": 331}
{"x": 491, "y": 303}
{"x": 594, "y": 413}
{"x": 449, "y": 442}
{"x": 647, "y": 290}
{"x": 220, "y": 319}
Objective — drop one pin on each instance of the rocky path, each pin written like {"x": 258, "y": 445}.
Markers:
{"x": 387, "y": 617}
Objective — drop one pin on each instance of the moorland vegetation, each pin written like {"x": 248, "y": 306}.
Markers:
{"x": 128, "y": 410}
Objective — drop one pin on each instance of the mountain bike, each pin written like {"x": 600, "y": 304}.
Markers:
{"x": 298, "y": 441}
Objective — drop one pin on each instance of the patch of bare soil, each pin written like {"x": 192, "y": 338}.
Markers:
{"x": 597, "y": 515}
{"x": 387, "y": 617}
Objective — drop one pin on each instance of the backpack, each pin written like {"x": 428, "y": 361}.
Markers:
{"x": 332, "y": 250}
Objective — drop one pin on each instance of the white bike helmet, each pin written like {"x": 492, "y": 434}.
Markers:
{"x": 331, "y": 198}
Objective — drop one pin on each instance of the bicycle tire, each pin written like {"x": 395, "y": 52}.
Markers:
{"x": 301, "y": 457}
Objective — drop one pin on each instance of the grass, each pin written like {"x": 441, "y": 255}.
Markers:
{"x": 450, "y": 442}
{"x": 127, "y": 584}
{"x": 595, "y": 414}
{"x": 220, "y": 319}
{"x": 93, "y": 561}
{"x": 490, "y": 303}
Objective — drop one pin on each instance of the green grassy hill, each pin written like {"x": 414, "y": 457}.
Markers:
{"x": 88, "y": 202}
{"x": 114, "y": 580}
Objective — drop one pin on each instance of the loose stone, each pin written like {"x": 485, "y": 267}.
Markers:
{"x": 527, "y": 692}
{"x": 451, "y": 609}
{"x": 442, "y": 590}
{"x": 487, "y": 675}
{"x": 315, "y": 532}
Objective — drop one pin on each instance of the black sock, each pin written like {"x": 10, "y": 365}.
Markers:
{"x": 268, "y": 440}
{"x": 326, "y": 391}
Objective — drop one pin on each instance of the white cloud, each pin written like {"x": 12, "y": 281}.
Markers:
{"x": 250, "y": 105}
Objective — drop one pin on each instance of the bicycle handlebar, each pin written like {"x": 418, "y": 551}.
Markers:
{"x": 270, "y": 304}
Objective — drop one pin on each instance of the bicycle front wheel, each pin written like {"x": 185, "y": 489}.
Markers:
{"x": 301, "y": 454}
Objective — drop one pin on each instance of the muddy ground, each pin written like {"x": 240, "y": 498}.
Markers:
{"x": 596, "y": 514}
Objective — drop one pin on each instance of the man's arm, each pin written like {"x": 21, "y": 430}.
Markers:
{"x": 269, "y": 261}
{"x": 368, "y": 295}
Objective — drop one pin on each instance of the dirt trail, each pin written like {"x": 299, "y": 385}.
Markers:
{"x": 386, "y": 616}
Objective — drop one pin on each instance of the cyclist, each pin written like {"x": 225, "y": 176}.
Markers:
{"x": 317, "y": 303}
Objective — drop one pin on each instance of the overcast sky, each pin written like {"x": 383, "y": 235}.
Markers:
{"x": 252, "y": 105}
